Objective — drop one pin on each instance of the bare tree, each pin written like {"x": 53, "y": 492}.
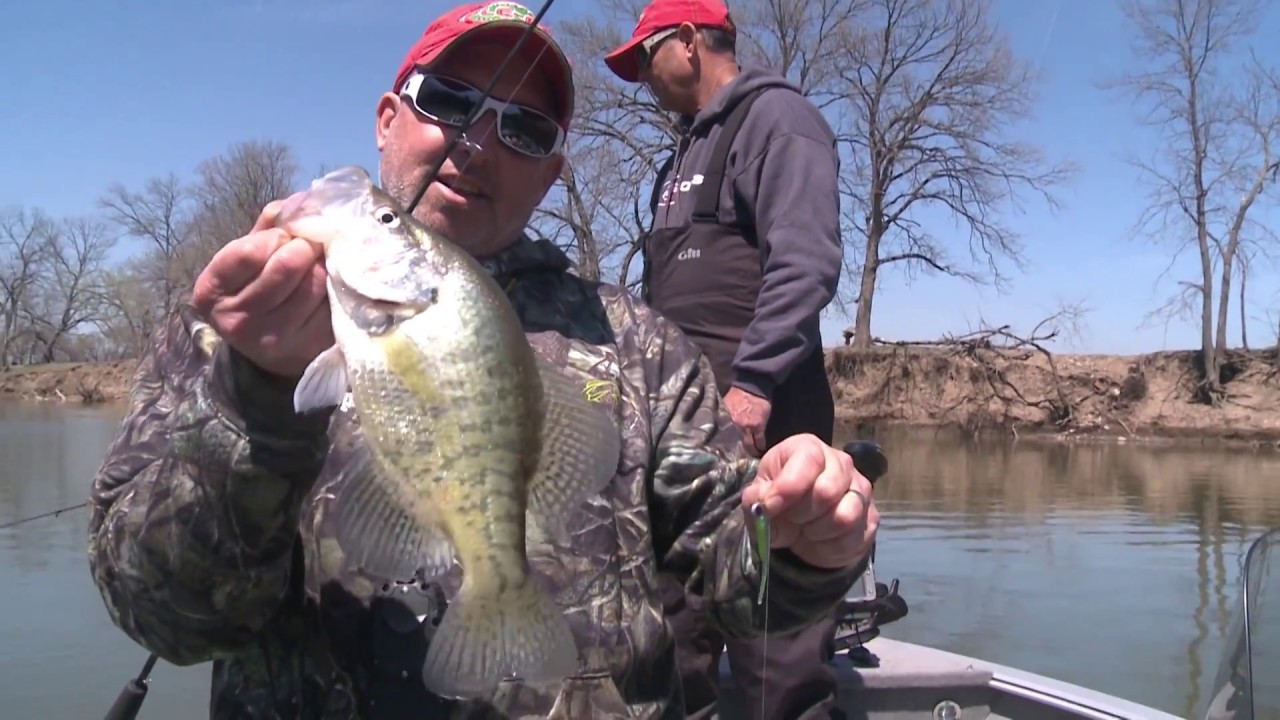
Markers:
{"x": 131, "y": 312}
{"x": 1217, "y": 148}
{"x": 70, "y": 299}
{"x": 620, "y": 137}
{"x": 230, "y": 191}
{"x": 932, "y": 87}
{"x": 25, "y": 238}
{"x": 1251, "y": 170}
{"x": 802, "y": 40}
{"x": 160, "y": 216}
{"x": 182, "y": 225}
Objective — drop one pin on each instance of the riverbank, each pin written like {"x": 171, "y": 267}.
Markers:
{"x": 88, "y": 383}
{"x": 965, "y": 388}
{"x": 975, "y": 389}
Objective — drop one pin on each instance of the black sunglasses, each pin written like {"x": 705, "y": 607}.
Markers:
{"x": 450, "y": 101}
{"x": 646, "y": 49}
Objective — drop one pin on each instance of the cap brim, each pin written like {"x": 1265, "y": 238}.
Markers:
{"x": 540, "y": 48}
{"x": 623, "y": 62}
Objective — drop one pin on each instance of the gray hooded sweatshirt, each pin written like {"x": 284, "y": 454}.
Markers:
{"x": 781, "y": 176}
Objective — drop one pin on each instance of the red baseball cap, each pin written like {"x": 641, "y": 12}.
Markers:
{"x": 663, "y": 14}
{"x": 502, "y": 20}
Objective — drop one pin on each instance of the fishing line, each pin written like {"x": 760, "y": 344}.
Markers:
{"x": 51, "y": 513}
{"x": 1048, "y": 35}
{"x": 477, "y": 145}
{"x": 472, "y": 116}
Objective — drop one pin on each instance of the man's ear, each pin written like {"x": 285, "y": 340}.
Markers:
{"x": 388, "y": 106}
{"x": 687, "y": 33}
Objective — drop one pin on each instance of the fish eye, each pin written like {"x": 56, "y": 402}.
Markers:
{"x": 387, "y": 216}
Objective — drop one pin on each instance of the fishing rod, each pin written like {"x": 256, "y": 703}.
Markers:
{"x": 461, "y": 136}
{"x": 41, "y": 516}
{"x": 129, "y": 702}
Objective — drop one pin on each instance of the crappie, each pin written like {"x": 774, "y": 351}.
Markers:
{"x": 468, "y": 429}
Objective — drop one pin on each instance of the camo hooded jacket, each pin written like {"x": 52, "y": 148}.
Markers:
{"x": 214, "y": 534}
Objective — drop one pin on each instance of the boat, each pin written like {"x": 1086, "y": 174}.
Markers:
{"x": 883, "y": 679}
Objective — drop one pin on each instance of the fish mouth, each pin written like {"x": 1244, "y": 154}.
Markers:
{"x": 377, "y": 315}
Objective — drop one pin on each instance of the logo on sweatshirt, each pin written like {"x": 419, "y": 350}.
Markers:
{"x": 676, "y": 185}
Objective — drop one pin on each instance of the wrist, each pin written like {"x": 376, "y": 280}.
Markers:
{"x": 756, "y": 384}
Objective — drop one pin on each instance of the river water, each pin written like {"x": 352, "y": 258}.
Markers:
{"x": 1110, "y": 566}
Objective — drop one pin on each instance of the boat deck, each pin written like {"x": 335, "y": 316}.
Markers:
{"x": 914, "y": 681}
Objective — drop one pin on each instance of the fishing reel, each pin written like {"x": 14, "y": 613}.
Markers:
{"x": 869, "y": 604}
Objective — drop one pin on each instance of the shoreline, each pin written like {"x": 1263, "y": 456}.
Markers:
{"x": 984, "y": 392}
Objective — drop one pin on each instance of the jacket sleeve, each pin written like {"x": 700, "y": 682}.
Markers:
{"x": 700, "y": 533}
{"x": 790, "y": 188}
{"x": 194, "y": 509}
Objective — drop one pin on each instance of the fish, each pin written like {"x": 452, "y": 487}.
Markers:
{"x": 480, "y": 447}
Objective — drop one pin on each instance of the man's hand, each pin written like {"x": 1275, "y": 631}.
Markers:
{"x": 265, "y": 295}
{"x": 751, "y": 413}
{"x": 819, "y": 506}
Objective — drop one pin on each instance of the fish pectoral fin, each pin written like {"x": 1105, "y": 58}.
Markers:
{"x": 581, "y": 446}
{"x": 514, "y": 634}
{"x": 382, "y": 536}
{"x": 324, "y": 382}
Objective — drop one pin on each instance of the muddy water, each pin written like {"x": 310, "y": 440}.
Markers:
{"x": 1109, "y": 566}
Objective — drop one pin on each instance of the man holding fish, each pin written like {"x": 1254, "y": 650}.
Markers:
{"x": 395, "y": 465}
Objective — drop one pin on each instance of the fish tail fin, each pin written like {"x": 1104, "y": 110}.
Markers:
{"x": 518, "y": 633}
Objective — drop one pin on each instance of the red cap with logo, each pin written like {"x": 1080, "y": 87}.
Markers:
{"x": 663, "y": 14}
{"x": 504, "y": 21}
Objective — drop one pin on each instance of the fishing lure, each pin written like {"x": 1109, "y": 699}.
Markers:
{"x": 763, "y": 541}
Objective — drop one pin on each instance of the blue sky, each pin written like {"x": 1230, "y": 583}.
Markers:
{"x": 100, "y": 91}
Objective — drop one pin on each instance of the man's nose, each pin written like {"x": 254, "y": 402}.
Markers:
{"x": 482, "y": 136}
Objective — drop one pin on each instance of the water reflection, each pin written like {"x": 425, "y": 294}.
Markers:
{"x": 40, "y": 474}
{"x": 1111, "y": 566}
{"x": 54, "y": 624}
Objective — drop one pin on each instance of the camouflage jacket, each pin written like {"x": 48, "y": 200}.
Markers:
{"x": 213, "y": 536}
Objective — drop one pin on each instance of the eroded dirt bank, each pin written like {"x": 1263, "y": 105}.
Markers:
{"x": 972, "y": 389}
{"x": 88, "y": 383}
{"x": 976, "y": 389}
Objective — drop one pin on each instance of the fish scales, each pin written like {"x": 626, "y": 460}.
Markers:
{"x": 480, "y": 443}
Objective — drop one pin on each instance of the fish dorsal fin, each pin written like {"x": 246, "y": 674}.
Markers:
{"x": 581, "y": 447}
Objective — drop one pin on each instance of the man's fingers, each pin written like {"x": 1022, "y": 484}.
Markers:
{"x": 317, "y": 330}
{"x": 236, "y": 265}
{"x": 789, "y": 474}
{"x": 241, "y": 261}
{"x": 290, "y": 313}
{"x": 845, "y": 521}
{"x": 783, "y": 535}
{"x": 825, "y": 492}
{"x": 270, "y": 213}
{"x": 284, "y": 271}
